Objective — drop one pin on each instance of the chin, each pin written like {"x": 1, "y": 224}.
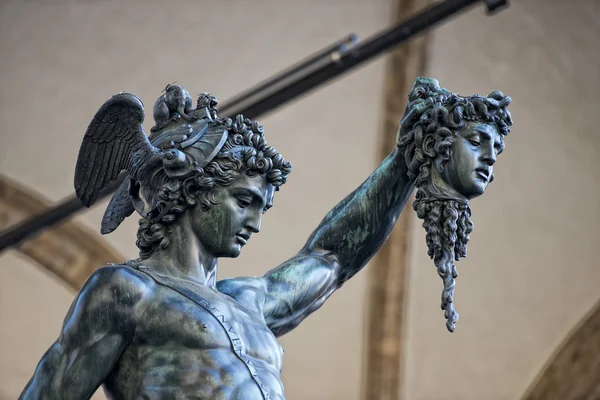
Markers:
{"x": 231, "y": 252}
{"x": 234, "y": 251}
{"x": 475, "y": 191}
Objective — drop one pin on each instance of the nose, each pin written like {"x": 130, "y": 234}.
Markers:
{"x": 253, "y": 223}
{"x": 489, "y": 156}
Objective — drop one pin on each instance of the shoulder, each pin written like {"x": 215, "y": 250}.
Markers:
{"x": 117, "y": 282}
{"x": 109, "y": 301}
{"x": 246, "y": 290}
{"x": 120, "y": 276}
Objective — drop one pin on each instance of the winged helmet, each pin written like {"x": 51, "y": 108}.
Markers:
{"x": 115, "y": 141}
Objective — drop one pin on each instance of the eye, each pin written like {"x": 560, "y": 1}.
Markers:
{"x": 243, "y": 202}
{"x": 474, "y": 142}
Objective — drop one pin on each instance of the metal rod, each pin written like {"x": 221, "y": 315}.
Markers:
{"x": 276, "y": 98}
{"x": 364, "y": 51}
{"x": 341, "y": 46}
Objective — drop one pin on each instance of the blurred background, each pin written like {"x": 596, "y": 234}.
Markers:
{"x": 527, "y": 293}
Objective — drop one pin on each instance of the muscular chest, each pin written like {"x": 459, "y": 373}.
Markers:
{"x": 172, "y": 319}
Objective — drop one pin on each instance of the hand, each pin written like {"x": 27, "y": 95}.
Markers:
{"x": 412, "y": 114}
{"x": 422, "y": 96}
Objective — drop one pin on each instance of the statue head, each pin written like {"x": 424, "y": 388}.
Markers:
{"x": 223, "y": 196}
{"x": 450, "y": 152}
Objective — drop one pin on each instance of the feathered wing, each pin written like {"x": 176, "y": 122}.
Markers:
{"x": 119, "y": 208}
{"x": 114, "y": 141}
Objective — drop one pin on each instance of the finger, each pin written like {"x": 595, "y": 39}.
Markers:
{"x": 414, "y": 112}
{"x": 423, "y": 106}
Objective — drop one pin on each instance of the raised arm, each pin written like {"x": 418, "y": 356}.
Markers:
{"x": 345, "y": 240}
{"x": 98, "y": 326}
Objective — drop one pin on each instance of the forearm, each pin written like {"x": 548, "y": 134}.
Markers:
{"x": 356, "y": 228}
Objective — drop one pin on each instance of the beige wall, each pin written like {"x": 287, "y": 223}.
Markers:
{"x": 531, "y": 271}
{"x": 62, "y": 59}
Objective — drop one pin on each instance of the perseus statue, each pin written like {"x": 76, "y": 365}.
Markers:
{"x": 163, "y": 326}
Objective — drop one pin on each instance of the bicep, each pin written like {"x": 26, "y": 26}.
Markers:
{"x": 297, "y": 288}
{"x": 96, "y": 329}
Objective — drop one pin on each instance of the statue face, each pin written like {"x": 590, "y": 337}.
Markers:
{"x": 470, "y": 167}
{"x": 226, "y": 226}
{"x": 172, "y": 96}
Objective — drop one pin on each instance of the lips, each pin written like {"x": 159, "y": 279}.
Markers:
{"x": 242, "y": 238}
{"x": 483, "y": 174}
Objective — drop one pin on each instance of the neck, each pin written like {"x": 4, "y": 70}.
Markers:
{"x": 185, "y": 257}
{"x": 437, "y": 189}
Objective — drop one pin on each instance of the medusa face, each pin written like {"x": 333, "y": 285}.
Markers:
{"x": 470, "y": 167}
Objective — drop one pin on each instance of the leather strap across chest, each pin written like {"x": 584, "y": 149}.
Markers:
{"x": 223, "y": 318}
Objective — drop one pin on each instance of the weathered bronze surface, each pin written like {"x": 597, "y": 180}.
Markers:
{"x": 450, "y": 151}
{"x": 162, "y": 326}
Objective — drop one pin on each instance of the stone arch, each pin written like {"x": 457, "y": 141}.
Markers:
{"x": 70, "y": 251}
{"x": 573, "y": 371}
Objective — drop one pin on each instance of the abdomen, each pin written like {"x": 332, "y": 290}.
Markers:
{"x": 174, "y": 373}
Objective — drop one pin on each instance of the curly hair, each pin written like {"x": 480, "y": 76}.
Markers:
{"x": 446, "y": 218}
{"x": 245, "y": 151}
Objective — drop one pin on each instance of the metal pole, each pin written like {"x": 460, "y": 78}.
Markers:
{"x": 319, "y": 58}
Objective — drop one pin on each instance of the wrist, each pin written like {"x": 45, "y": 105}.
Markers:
{"x": 400, "y": 166}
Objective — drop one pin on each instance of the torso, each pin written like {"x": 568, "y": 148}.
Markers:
{"x": 181, "y": 351}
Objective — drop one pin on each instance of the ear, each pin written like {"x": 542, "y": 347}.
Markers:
{"x": 428, "y": 149}
{"x": 428, "y": 146}
{"x": 190, "y": 192}
{"x": 140, "y": 203}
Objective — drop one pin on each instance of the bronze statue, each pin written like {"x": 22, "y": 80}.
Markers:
{"x": 450, "y": 152}
{"x": 176, "y": 102}
{"x": 162, "y": 326}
